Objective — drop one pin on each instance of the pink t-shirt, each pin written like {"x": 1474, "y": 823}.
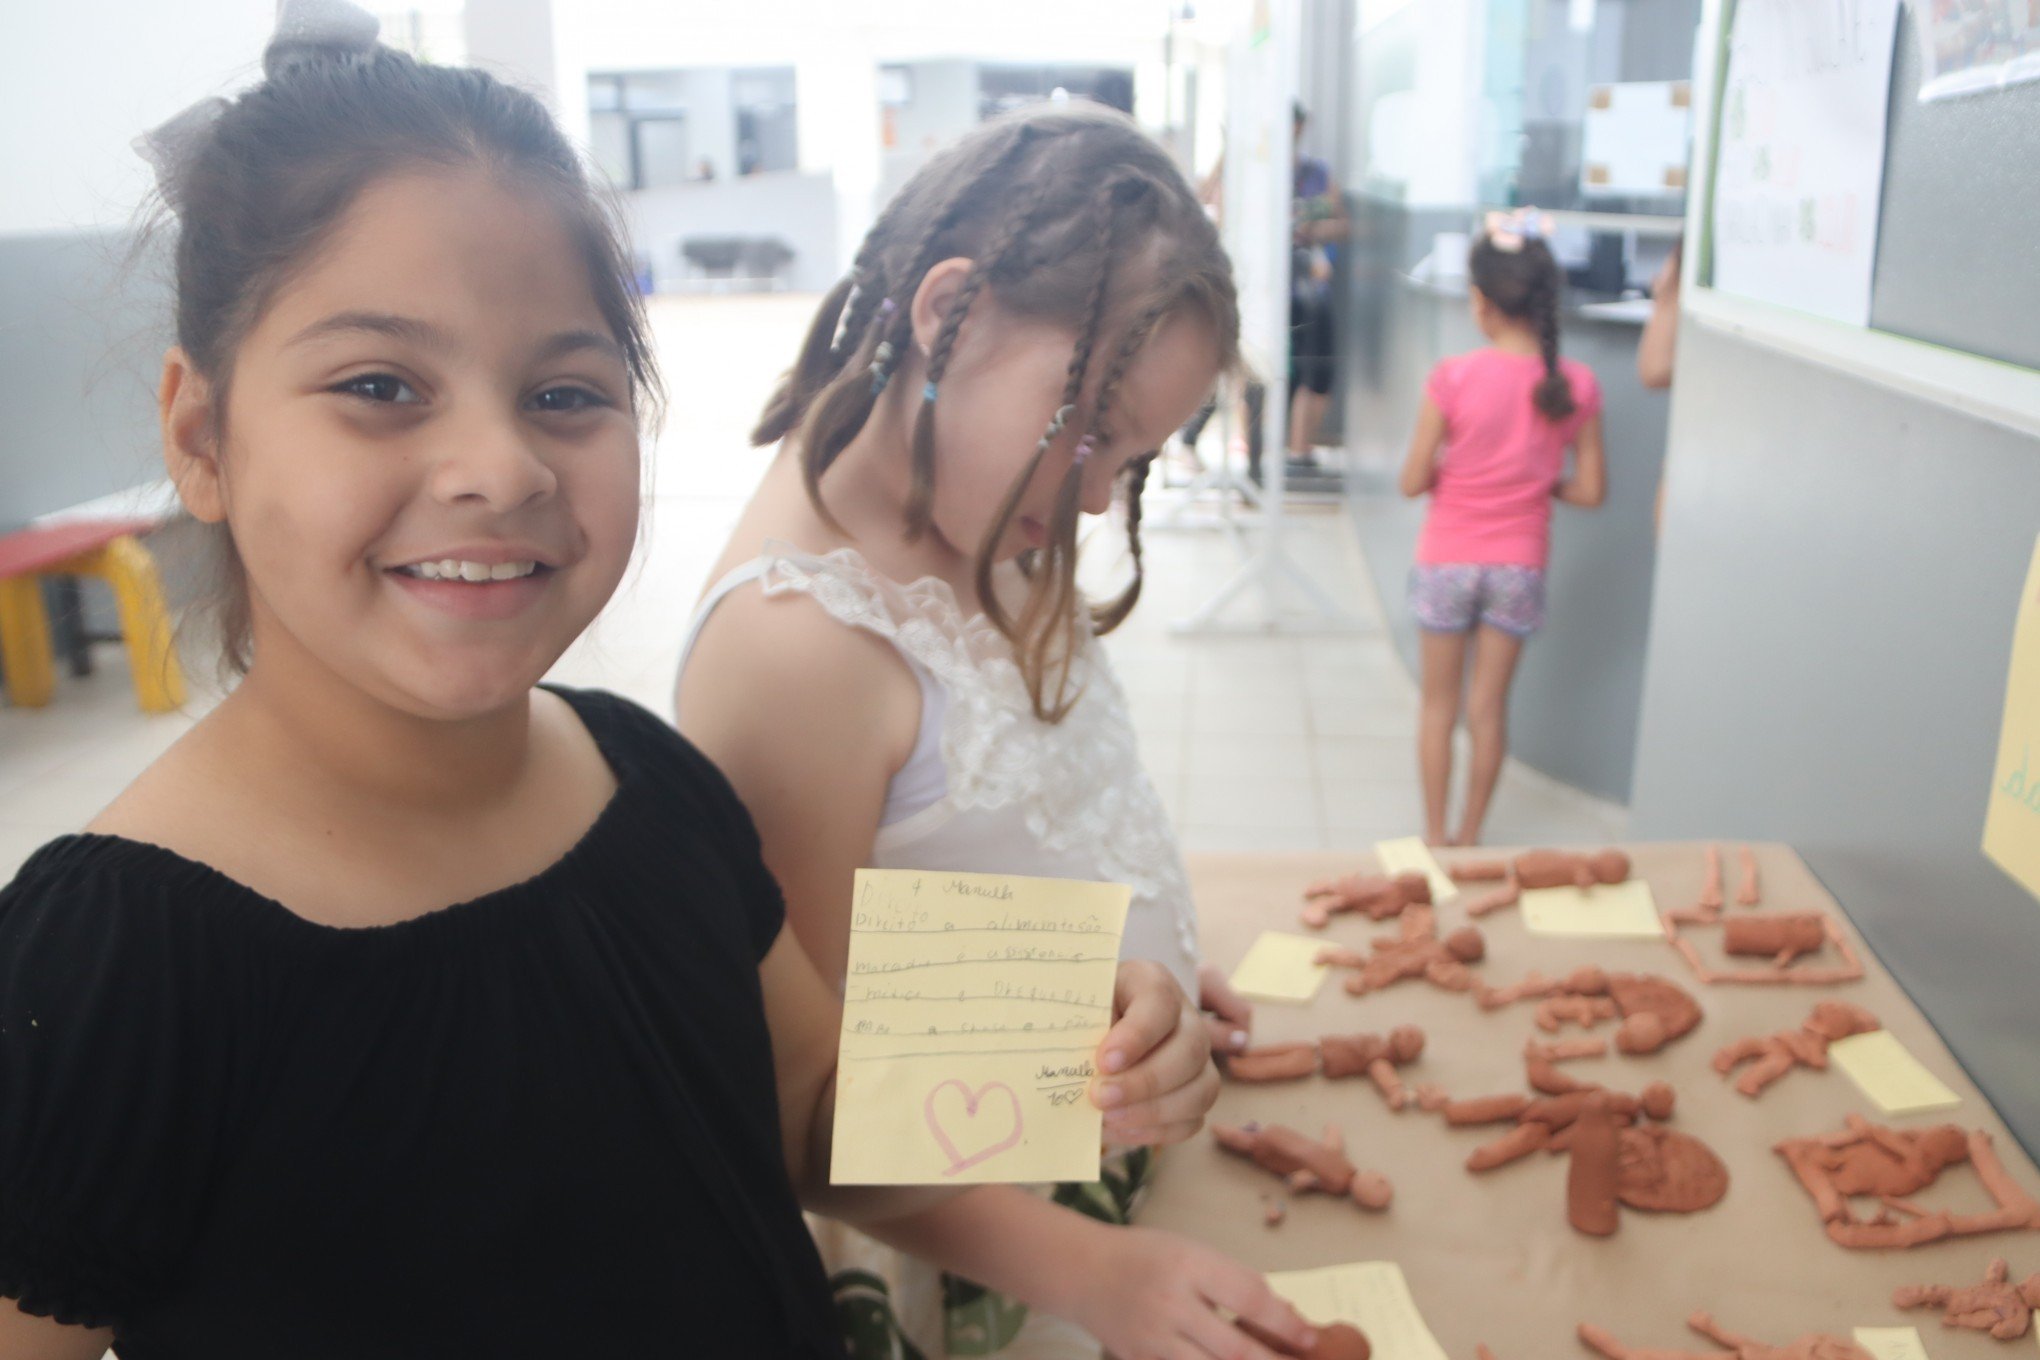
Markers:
{"x": 1492, "y": 500}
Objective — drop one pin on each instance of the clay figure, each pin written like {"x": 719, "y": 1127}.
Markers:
{"x": 1376, "y": 896}
{"x": 1784, "y": 937}
{"x": 1415, "y": 951}
{"x": 1505, "y": 894}
{"x": 1348, "y": 1055}
{"x": 1747, "y": 894}
{"x": 1889, "y": 1165}
{"x": 1335, "y": 1341}
{"x": 1654, "y": 1010}
{"x": 1558, "y": 869}
{"x": 1273, "y": 1062}
{"x": 1817, "y": 1346}
{"x": 1997, "y": 1306}
{"x": 1590, "y": 1203}
{"x": 1478, "y": 871}
{"x": 1306, "y": 1165}
{"x": 1780, "y": 937}
{"x": 1770, "y": 1057}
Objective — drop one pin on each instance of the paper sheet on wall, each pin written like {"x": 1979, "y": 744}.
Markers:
{"x": 1886, "y": 1071}
{"x": 1799, "y": 153}
{"x": 2011, "y": 821}
{"x": 1614, "y": 911}
{"x": 1409, "y": 855}
{"x": 1280, "y": 967}
{"x": 1373, "y": 1296}
{"x": 973, "y": 1011}
{"x": 1892, "y": 1343}
{"x": 1976, "y": 46}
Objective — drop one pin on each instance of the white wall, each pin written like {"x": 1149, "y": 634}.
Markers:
{"x": 80, "y": 79}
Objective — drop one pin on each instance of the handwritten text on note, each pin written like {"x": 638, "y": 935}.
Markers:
{"x": 972, "y": 1015}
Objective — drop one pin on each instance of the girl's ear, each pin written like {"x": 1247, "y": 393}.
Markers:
{"x": 936, "y": 295}
{"x": 191, "y": 454}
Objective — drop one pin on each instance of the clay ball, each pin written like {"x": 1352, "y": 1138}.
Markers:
{"x": 1405, "y": 1043}
{"x": 1657, "y": 1100}
{"x": 1466, "y": 944}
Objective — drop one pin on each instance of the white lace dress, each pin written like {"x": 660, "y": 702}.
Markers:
{"x": 993, "y": 789}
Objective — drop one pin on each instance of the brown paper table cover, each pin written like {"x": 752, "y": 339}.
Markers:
{"x": 1490, "y": 1258}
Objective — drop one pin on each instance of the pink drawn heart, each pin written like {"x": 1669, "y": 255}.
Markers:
{"x": 971, "y": 1100}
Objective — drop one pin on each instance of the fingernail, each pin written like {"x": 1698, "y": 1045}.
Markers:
{"x": 1110, "y": 1094}
{"x": 1114, "y": 1060}
{"x": 1239, "y": 1038}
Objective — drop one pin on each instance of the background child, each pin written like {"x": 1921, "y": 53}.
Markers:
{"x": 1490, "y": 448}
{"x": 264, "y": 1090}
{"x": 896, "y": 666}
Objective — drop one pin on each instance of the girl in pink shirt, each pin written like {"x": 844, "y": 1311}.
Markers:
{"x": 1490, "y": 449}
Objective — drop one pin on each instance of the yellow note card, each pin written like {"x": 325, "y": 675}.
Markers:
{"x": 1889, "y": 1074}
{"x": 1410, "y": 855}
{"x": 2011, "y": 821}
{"x": 972, "y": 1015}
{"x": 1892, "y": 1343}
{"x": 1280, "y": 967}
{"x": 1610, "y": 910}
{"x": 1373, "y": 1296}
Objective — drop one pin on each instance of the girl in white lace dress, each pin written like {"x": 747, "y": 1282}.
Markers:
{"x": 895, "y": 668}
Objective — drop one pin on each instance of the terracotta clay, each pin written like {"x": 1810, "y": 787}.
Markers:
{"x": 1566, "y": 1050}
{"x": 1661, "y": 1170}
{"x": 1997, "y": 1306}
{"x": 1747, "y": 894}
{"x": 1654, "y": 1010}
{"x": 1273, "y": 1062}
{"x": 1558, "y": 869}
{"x": 1590, "y": 1204}
{"x": 1710, "y": 888}
{"x": 1555, "y": 1012}
{"x": 1782, "y": 937}
{"x": 1770, "y": 1057}
{"x": 1335, "y": 1341}
{"x": 1375, "y": 896}
{"x": 1817, "y": 1346}
{"x": 1888, "y": 1165}
{"x": 1478, "y": 870}
{"x": 1306, "y": 1165}
{"x": 1349, "y": 1055}
{"x": 1505, "y": 894}
{"x": 1415, "y": 951}
{"x": 1755, "y": 935}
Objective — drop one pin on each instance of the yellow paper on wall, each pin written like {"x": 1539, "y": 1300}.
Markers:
{"x": 1410, "y": 855}
{"x": 1373, "y": 1296}
{"x": 973, "y": 1010}
{"x": 2011, "y": 821}
{"x": 1889, "y": 1074}
{"x": 1625, "y": 911}
{"x": 1280, "y": 967}
{"x": 1892, "y": 1343}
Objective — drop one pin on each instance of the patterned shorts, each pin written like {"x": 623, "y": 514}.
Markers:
{"x": 1451, "y": 597}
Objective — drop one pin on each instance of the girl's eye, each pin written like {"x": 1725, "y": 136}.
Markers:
{"x": 565, "y": 400}
{"x": 379, "y": 387}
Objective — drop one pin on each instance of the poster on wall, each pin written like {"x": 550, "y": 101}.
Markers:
{"x": 1967, "y": 46}
{"x": 1799, "y": 160}
{"x": 2011, "y": 820}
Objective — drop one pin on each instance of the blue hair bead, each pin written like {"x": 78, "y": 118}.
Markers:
{"x": 928, "y": 392}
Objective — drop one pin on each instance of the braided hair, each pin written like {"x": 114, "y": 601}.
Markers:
{"x": 1523, "y": 283}
{"x": 1067, "y": 213}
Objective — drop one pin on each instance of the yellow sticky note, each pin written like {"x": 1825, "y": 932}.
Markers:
{"x": 1410, "y": 855}
{"x": 1612, "y": 910}
{"x": 972, "y": 1014}
{"x": 1892, "y": 1343}
{"x": 2011, "y": 822}
{"x": 1889, "y": 1074}
{"x": 1373, "y": 1296}
{"x": 1280, "y": 967}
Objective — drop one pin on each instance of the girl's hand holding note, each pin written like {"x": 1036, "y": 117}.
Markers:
{"x": 1156, "y": 1081}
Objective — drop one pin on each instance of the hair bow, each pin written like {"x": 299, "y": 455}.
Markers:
{"x": 305, "y": 30}
{"x": 1508, "y": 231}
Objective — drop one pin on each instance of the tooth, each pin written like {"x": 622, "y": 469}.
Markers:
{"x": 449, "y": 570}
{"x": 474, "y": 571}
{"x": 506, "y": 571}
{"x": 428, "y": 570}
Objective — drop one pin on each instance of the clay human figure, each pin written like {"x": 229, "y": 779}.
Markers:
{"x": 1997, "y": 1306}
{"x": 1780, "y": 937}
{"x": 1890, "y": 1165}
{"x": 1559, "y": 869}
{"x": 1816, "y": 1346}
{"x": 1654, "y": 1011}
{"x": 1306, "y": 1165}
{"x": 1766, "y": 1058}
{"x": 1376, "y": 896}
{"x": 1273, "y": 1062}
{"x": 1415, "y": 951}
{"x": 1335, "y": 1341}
{"x": 1375, "y": 1056}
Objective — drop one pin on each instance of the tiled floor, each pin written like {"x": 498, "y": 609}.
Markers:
{"x": 1258, "y": 742}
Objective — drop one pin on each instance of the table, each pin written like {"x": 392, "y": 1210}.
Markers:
{"x": 1490, "y": 1258}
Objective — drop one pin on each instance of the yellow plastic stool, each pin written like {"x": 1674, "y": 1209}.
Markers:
{"x": 128, "y": 570}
